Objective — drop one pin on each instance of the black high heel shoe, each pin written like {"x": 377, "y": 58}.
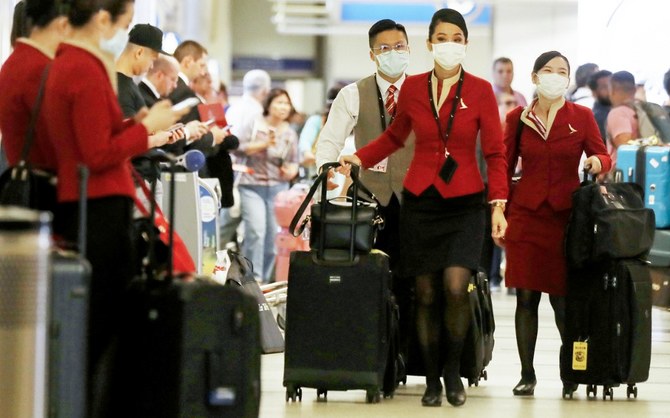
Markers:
{"x": 432, "y": 396}
{"x": 525, "y": 387}
{"x": 455, "y": 391}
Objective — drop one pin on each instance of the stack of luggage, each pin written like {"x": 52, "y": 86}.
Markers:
{"x": 341, "y": 327}
{"x": 607, "y": 338}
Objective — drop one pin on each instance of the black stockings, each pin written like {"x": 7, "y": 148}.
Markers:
{"x": 525, "y": 321}
{"x": 442, "y": 303}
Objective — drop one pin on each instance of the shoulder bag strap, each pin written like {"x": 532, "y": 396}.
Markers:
{"x": 30, "y": 133}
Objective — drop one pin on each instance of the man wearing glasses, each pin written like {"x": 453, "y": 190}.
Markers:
{"x": 367, "y": 107}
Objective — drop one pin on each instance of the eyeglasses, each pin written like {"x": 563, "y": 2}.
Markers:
{"x": 400, "y": 47}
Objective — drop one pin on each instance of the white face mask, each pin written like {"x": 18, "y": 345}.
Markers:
{"x": 449, "y": 54}
{"x": 393, "y": 63}
{"x": 116, "y": 43}
{"x": 552, "y": 85}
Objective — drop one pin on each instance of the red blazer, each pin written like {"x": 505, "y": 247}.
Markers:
{"x": 85, "y": 125}
{"x": 477, "y": 114}
{"x": 20, "y": 78}
{"x": 550, "y": 168}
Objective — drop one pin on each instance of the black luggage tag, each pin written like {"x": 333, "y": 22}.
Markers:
{"x": 448, "y": 169}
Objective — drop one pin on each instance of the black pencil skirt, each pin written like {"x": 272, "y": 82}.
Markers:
{"x": 436, "y": 233}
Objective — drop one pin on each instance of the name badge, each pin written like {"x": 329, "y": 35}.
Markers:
{"x": 381, "y": 166}
{"x": 579, "y": 355}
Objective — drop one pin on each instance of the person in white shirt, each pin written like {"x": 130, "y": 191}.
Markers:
{"x": 241, "y": 117}
{"x": 582, "y": 94}
{"x": 366, "y": 108}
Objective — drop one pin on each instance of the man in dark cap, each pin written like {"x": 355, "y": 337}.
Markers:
{"x": 145, "y": 42}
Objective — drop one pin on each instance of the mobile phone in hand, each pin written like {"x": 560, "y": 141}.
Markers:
{"x": 185, "y": 104}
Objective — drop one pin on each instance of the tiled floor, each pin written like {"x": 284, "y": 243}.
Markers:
{"x": 493, "y": 398}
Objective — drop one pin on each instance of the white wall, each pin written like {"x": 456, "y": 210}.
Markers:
{"x": 522, "y": 31}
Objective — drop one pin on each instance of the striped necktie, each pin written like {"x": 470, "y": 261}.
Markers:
{"x": 390, "y": 100}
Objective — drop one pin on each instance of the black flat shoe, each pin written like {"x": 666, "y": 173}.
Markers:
{"x": 525, "y": 387}
{"x": 456, "y": 396}
{"x": 432, "y": 396}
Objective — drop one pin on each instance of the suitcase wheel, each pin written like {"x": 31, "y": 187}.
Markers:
{"x": 631, "y": 390}
{"x": 320, "y": 392}
{"x": 372, "y": 396}
{"x": 389, "y": 394}
{"x": 608, "y": 391}
{"x": 591, "y": 390}
{"x": 472, "y": 381}
{"x": 484, "y": 375}
{"x": 569, "y": 389}
{"x": 293, "y": 393}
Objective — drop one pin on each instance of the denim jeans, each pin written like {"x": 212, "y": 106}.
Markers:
{"x": 260, "y": 227}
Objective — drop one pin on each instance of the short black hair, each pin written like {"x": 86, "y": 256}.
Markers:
{"x": 583, "y": 73}
{"x": 624, "y": 81}
{"x": 382, "y": 26}
{"x": 81, "y": 11}
{"x": 447, "y": 16}
{"x": 502, "y": 60}
{"x": 593, "y": 79}
{"x": 545, "y": 57}
{"x": 666, "y": 82}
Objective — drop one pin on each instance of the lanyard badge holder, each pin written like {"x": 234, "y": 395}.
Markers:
{"x": 450, "y": 165}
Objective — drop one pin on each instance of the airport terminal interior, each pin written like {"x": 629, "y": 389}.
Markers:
{"x": 307, "y": 47}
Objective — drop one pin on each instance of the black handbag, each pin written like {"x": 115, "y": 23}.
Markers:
{"x": 608, "y": 222}
{"x": 23, "y": 185}
{"x": 347, "y": 224}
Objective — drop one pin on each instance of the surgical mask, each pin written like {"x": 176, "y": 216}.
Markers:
{"x": 552, "y": 85}
{"x": 449, "y": 54}
{"x": 393, "y": 63}
{"x": 116, "y": 43}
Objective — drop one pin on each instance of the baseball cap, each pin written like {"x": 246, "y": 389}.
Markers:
{"x": 143, "y": 34}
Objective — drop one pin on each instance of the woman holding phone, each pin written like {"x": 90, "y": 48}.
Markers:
{"x": 86, "y": 127}
{"x": 272, "y": 158}
{"x": 443, "y": 208}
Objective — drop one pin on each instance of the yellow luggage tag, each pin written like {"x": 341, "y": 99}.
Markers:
{"x": 579, "y": 355}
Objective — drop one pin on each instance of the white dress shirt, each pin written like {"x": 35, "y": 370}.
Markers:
{"x": 241, "y": 116}
{"x": 151, "y": 86}
{"x": 343, "y": 117}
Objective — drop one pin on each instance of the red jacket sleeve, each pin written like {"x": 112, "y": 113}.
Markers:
{"x": 393, "y": 138}
{"x": 594, "y": 144}
{"x": 493, "y": 147}
{"x": 103, "y": 142}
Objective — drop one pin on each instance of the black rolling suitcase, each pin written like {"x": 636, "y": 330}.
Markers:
{"x": 478, "y": 347}
{"x": 608, "y": 327}
{"x": 479, "y": 342}
{"x": 340, "y": 319}
{"x": 70, "y": 284}
{"x": 188, "y": 349}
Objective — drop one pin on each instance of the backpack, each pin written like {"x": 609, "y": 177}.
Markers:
{"x": 653, "y": 120}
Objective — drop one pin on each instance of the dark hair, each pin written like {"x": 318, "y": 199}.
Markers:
{"x": 583, "y": 73}
{"x": 447, "y": 16}
{"x": 666, "y": 82}
{"x": 20, "y": 25}
{"x": 624, "y": 81}
{"x": 274, "y": 93}
{"x": 544, "y": 58}
{"x": 189, "y": 49}
{"x": 382, "y": 26}
{"x": 593, "y": 79}
{"x": 502, "y": 60}
{"x": 81, "y": 11}
{"x": 42, "y": 12}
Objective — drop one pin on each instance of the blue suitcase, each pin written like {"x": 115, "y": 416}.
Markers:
{"x": 648, "y": 167}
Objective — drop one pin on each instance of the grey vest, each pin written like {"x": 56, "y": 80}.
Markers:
{"x": 369, "y": 127}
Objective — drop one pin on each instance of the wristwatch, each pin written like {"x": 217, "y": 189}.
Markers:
{"x": 498, "y": 204}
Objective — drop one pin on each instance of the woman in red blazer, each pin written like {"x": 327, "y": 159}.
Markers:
{"x": 554, "y": 135}
{"x": 85, "y": 126}
{"x": 443, "y": 208}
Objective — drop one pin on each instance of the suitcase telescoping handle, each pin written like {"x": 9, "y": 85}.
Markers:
{"x": 322, "y": 180}
{"x": 83, "y": 209}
